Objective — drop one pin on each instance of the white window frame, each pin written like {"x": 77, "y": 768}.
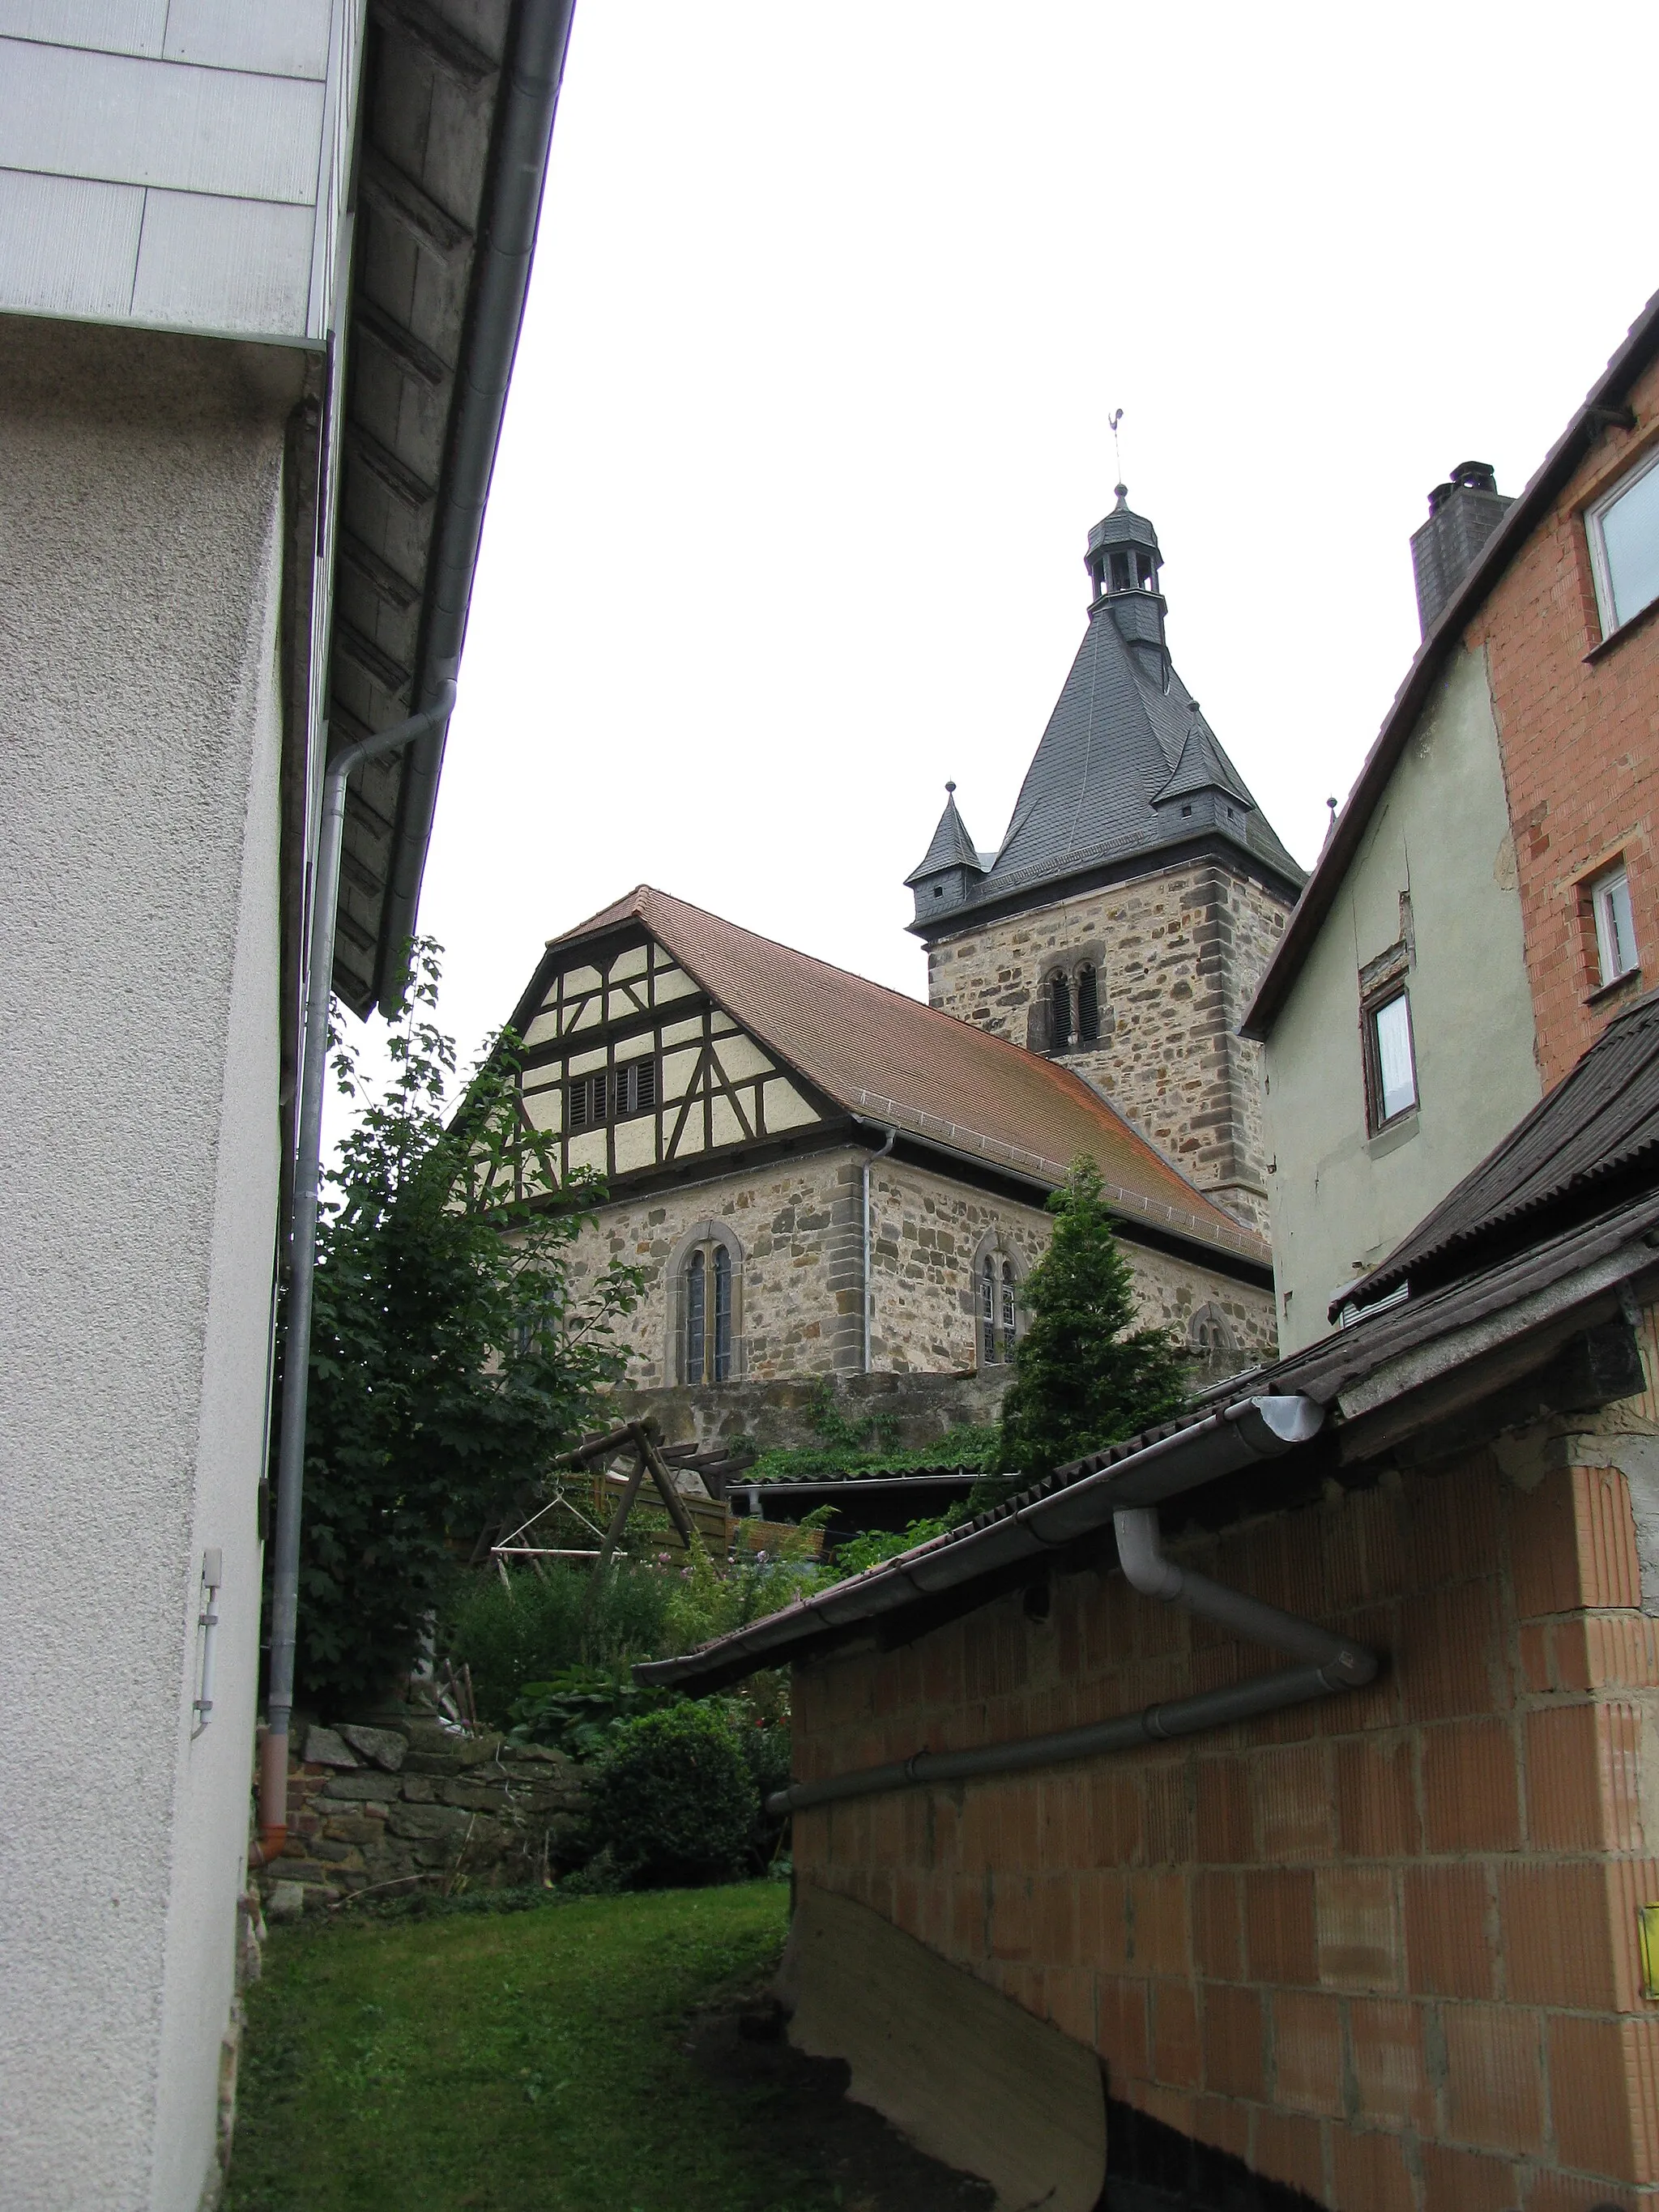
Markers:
{"x": 1594, "y": 516}
{"x": 1611, "y": 924}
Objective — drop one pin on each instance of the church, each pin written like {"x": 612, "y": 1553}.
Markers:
{"x": 821, "y": 1177}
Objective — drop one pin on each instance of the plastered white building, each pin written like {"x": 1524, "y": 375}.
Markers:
{"x": 262, "y": 266}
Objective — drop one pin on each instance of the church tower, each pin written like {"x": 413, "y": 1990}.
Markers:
{"x": 1136, "y": 898}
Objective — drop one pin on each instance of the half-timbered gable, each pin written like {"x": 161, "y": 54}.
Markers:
{"x": 814, "y": 1174}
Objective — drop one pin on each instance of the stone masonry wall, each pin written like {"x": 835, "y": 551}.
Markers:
{"x": 1383, "y": 1948}
{"x": 800, "y": 1295}
{"x": 1178, "y": 954}
{"x": 396, "y": 1806}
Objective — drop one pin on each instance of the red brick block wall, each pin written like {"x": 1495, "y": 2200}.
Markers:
{"x": 1382, "y": 1948}
{"x": 1580, "y": 744}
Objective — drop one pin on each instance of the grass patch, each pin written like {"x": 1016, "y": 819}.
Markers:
{"x": 509, "y": 2062}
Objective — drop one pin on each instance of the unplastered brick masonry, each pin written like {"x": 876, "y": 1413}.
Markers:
{"x": 1383, "y": 1948}
{"x": 799, "y": 1282}
{"x": 1178, "y": 954}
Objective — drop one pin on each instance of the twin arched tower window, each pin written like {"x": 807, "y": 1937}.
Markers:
{"x": 1073, "y": 996}
{"x": 999, "y": 1310}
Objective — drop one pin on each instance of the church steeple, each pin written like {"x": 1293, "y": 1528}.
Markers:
{"x": 1123, "y": 561}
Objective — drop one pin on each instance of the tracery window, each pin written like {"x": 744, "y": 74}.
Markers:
{"x": 998, "y": 1309}
{"x": 1209, "y": 1333}
{"x": 1066, "y": 1011}
{"x": 707, "y": 1302}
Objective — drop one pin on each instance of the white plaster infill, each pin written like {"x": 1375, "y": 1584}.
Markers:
{"x": 959, "y": 1139}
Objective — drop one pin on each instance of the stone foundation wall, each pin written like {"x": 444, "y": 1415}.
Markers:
{"x": 1177, "y": 956}
{"x": 912, "y": 1409}
{"x": 402, "y": 1806}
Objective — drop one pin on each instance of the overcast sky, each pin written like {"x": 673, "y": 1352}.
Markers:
{"x": 809, "y": 424}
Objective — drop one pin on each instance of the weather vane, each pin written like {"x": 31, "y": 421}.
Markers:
{"x": 1117, "y": 451}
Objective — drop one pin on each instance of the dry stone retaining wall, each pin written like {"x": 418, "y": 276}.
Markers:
{"x": 412, "y": 1804}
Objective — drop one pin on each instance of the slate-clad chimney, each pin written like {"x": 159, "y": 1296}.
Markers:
{"x": 1463, "y": 514}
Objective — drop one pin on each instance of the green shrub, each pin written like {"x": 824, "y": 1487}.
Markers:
{"x": 580, "y": 1710}
{"x": 674, "y": 1801}
{"x": 537, "y": 1629}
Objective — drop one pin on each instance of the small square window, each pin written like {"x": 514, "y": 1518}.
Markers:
{"x": 1624, "y": 543}
{"x": 1390, "y": 1062}
{"x": 1616, "y": 928}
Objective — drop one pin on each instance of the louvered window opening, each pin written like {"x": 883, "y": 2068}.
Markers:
{"x": 1073, "y": 1009}
{"x": 998, "y": 1312}
{"x": 612, "y": 1094}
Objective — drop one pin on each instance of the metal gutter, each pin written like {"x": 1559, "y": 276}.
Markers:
{"x": 1529, "y": 509}
{"x": 1329, "y": 1664}
{"x": 1222, "y": 1443}
{"x": 501, "y": 283}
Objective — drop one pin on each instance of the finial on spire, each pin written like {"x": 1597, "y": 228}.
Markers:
{"x": 950, "y": 787}
{"x": 1120, "y": 488}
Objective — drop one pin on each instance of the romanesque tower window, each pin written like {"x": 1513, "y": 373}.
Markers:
{"x": 999, "y": 1308}
{"x": 1088, "y": 1006}
{"x": 1060, "y": 1012}
{"x": 707, "y": 1297}
{"x": 1208, "y": 1334}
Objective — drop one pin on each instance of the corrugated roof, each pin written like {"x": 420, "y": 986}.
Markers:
{"x": 1501, "y": 549}
{"x": 1597, "y": 1128}
{"x": 878, "y": 1054}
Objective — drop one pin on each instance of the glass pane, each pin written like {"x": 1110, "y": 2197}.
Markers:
{"x": 1630, "y": 538}
{"x": 1396, "y": 1078}
{"x": 987, "y": 1312}
{"x": 722, "y": 1348}
{"x": 696, "y": 1294}
{"x": 1619, "y": 933}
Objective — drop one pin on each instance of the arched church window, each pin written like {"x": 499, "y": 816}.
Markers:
{"x": 998, "y": 1309}
{"x": 1208, "y": 1333}
{"x": 1088, "y": 1006}
{"x": 707, "y": 1302}
{"x": 1060, "y": 1012}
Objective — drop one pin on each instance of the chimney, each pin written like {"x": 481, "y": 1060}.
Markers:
{"x": 1462, "y": 515}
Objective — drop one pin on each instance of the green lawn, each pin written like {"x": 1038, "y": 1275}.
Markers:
{"x": 507, "y": 2061}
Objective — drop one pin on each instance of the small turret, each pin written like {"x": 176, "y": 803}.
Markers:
{"x": 1123, "y": 561}
{"x": 951, "y": 867}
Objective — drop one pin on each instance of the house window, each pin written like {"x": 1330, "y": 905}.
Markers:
{"x": 998, "y": 1310}
{"x": 1390, "y": 1063}
{"x": 1624, "y": 543}
{"x": 1615, "y": 929}
{"x": 706, "y": 1304}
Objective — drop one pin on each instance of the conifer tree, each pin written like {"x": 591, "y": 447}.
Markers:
{"x": 1084, "y": 1376}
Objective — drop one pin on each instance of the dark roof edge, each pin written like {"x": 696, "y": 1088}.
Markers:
{"x": 1004, "y": 904}
{"x": 532, "y": 70}
{"x": 1517, "y": 525}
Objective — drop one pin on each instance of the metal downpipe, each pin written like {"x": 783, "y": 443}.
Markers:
{"x": 296, "y": 1356}
{"x": 1332, "y": 1664}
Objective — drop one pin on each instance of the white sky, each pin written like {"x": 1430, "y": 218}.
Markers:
{"x": 809, "y": 423}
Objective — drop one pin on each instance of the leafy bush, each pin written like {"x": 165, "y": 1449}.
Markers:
{"x": 538, "y": 1627}
{"x": 580, "y": 1711}
{"x": 673, "y": 1801}
{"x": 1084, "y": 1376}
{"x": 865, "y": 1446}
{"x": 766, "y": 1752}
{"x": 450, "y": 1361}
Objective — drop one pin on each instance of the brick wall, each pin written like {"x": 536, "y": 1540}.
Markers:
{"x": 1179, "y": 954}
{"x": 1381, "y": 1949}
{"x": 801, "y": 1308}
{"x": 1579, "y": 750}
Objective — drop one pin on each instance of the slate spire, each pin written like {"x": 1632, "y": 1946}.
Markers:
{"x": 1127, "y": 768}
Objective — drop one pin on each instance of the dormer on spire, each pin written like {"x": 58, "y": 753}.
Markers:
{"x": 949, "y": 868}
{"x": 1123, "y": 561}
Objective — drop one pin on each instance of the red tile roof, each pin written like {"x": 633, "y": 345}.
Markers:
{"x": 879, "y": 1054}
